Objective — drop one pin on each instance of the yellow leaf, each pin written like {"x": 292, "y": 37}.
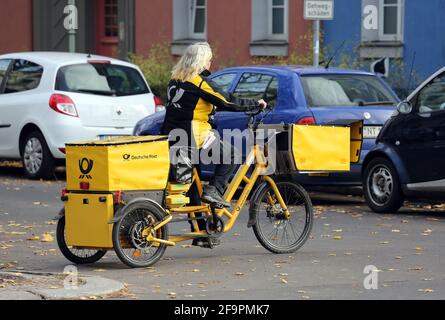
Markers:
{"x": 338, "y": 238}
{"x": 46, "y": 237}
{"x": 33, "y": 238}
{"x": 426, "y": 290}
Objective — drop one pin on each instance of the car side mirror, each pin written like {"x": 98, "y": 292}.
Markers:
{"x": 405, "y": 107}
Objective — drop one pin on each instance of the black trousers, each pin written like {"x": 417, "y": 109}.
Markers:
{"x": 224, "y": 170}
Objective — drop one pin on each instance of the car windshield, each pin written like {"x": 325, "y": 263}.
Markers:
{"x": 101, "y": 79}
{"x": 346, "y": 90}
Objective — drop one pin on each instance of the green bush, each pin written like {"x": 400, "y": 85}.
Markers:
{"x": 156, "y": 67}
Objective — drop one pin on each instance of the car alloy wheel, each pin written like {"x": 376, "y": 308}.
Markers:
{"x": 33, "y": 155}
{"x": 380, "y": 184}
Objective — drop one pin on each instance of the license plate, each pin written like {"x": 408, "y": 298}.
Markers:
{"x": 370, "y": 132}
{"x": 108, "y": 137}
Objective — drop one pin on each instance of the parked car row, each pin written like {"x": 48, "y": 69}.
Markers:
{"x": 303, "y": 95}
{"x": 48, "y": 99}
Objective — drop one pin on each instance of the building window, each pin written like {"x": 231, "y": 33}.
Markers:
{"x": 277, "y": 20}
{"x": 110, "y": 19}
{"x": 390, "y": 23}
{"x": 270, "y": 24}
{"x": 198, "y": 19}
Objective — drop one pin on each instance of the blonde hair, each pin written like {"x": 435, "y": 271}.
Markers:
{"x": 193, "y": 62}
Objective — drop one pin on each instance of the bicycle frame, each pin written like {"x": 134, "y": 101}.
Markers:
{"x": 256, "y": 155}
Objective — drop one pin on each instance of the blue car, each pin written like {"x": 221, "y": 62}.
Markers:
{"x": 303, "y": 95}
{"x": 408, "y": 160}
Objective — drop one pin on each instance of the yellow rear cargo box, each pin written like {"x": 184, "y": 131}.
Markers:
{"x": 130, "y": 163}
{"x": 86, "y": 218}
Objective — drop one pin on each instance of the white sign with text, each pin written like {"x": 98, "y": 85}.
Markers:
{"x": 319, "y": 9}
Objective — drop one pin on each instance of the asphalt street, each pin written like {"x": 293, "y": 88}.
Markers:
{"x": 406, "y": 248}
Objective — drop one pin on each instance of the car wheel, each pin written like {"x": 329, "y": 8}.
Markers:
{"x": 381, "y": 186}
{"x": 38, "y": 161}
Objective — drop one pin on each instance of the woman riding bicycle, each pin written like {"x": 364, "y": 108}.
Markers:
{"x": 192, "y": 101}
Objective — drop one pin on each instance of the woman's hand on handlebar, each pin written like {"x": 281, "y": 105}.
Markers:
{"x": 262, "y": 104}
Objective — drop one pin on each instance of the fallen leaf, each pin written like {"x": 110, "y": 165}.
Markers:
{"x": 426, "y": 290}
{"x": 284, "y": 281}
{"x": 338, "y": 238}
{"x": 46, "y": 237}
{"x": 33, "y": 238}
{"x": 419, "y": 248}
{"x": 99, "y": 270}
{"x": 239, "y": 274}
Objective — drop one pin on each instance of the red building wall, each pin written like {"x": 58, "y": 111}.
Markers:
{"x": 153, "y": 23}
{"x": 15, "y": 26}
{"x": 228, "y": 28}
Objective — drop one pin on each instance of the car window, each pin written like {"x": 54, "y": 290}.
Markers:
{"x": 101, "y": 79}
{"x": 257, "y": 86}
{"x": 4, "y": 64}
{"x": 345, "y": 90}
{"x": 24, "y": 75}
{"x": 432, "y": 97}
{"x": 224, "y": 81}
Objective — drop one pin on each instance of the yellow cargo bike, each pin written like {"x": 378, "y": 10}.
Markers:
{"x": 118, "y": 195}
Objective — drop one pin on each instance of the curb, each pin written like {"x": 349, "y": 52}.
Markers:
{"x": 93, "y": 286}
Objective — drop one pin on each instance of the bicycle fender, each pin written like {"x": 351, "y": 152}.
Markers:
{"x": 59, "y": 216}
{"x": 253, "y": 209}
{"x": 120, "y": 212}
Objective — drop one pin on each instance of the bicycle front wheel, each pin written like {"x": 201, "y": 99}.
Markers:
{"x": 273, "y": 230}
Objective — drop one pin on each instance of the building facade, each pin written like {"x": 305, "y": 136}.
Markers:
{"x": 409, "y": 30}
{"x": 237, "y": 29}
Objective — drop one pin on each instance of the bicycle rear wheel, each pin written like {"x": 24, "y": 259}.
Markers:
{"x": 273, "y": 230}
{"x": 129, "y": 238}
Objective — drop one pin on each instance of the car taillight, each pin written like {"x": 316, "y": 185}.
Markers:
{"x": 63, "y": 104}
{"x": 159, "y": 105}
{"x": 306, "y": 121}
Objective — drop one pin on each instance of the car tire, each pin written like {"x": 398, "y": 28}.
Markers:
{"x": 37, "y": 159}
{"x": 381, "y": 186}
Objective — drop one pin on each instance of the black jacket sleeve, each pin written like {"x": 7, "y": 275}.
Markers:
{"x": 224, "y": 101}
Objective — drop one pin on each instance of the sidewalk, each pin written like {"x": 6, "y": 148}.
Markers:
{"x": 47, "y": 286}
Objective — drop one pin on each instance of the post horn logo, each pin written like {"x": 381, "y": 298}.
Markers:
{"x": 126, "y": 157}
{"x": 85, "y": 166}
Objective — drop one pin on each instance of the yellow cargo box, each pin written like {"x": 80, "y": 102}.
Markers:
{"x": 130, "y": 163}
{"x": 86, "y": 220}
{"x": 318, "y": 149}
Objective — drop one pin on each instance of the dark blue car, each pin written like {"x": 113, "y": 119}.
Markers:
{"x": 408, "y": 159}
{"x": 303, "y": 95}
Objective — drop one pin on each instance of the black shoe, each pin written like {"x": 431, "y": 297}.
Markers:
{"x": 211, "y": 195}
{"x": 208, "y": 243}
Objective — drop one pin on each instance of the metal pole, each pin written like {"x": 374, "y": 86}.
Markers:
{"x": 72, "y": 32}
{"x": 316, "y": 36}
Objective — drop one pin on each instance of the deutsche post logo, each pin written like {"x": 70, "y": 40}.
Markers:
{"x": 85, "y": 166}
{"x": 126, "y": 157}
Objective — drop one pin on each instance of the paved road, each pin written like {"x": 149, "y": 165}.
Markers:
{"x": 407, "y": 248}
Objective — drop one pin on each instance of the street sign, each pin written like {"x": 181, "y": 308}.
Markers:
{"x": 318, "y": 9}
